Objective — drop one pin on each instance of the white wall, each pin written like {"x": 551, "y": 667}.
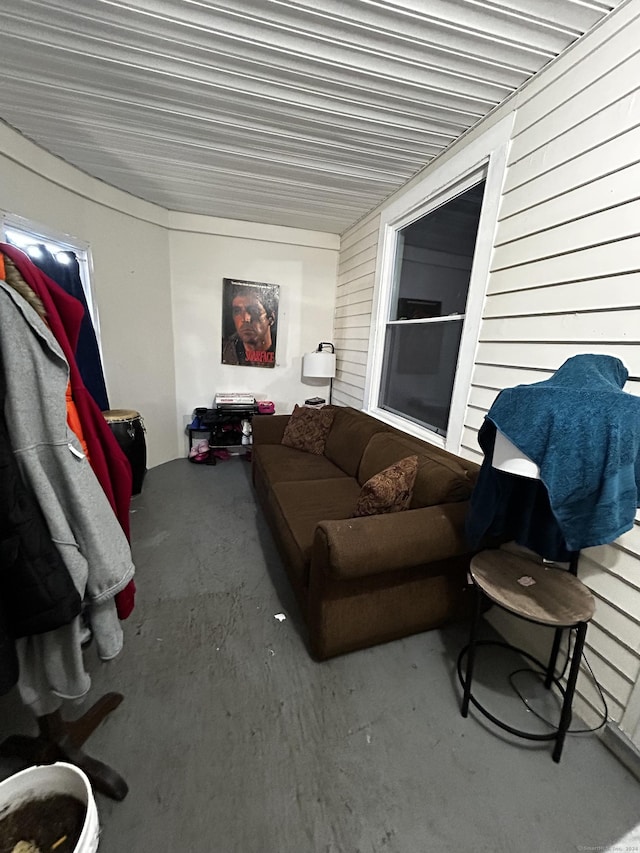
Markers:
{"x": 157, "y": 280}
{"x": 204, "y": 250}
{"x": 563, "y": 281}
{"x": 129, "y": 246}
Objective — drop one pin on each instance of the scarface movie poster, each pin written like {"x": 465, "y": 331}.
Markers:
{"x": 249, "y": 323}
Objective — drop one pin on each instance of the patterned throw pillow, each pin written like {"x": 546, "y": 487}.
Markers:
{"x": 390, "y": 490}
{"x": 307, "y": 428}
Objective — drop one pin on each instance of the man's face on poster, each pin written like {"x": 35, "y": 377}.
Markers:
{"x": 252, "y": 321}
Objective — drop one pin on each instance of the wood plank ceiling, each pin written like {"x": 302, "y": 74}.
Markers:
{"x": 291, "y": 112}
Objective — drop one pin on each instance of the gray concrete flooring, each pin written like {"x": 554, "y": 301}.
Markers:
{"x": 233, "y": 740}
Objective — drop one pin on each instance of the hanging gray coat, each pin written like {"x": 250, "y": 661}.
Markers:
{"x": 80, "y": 519}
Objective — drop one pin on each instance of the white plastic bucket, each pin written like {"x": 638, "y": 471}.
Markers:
{"x": 46, "y": 779}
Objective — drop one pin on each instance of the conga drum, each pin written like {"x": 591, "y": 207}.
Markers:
{"x": 128, "y": 429}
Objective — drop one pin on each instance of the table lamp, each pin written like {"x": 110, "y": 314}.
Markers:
{"x": 320, "y": 364}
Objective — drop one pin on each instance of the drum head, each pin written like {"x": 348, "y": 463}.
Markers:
{"x": 114, "y": 416}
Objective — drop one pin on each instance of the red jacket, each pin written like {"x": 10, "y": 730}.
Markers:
{"x": 109, "y": 463}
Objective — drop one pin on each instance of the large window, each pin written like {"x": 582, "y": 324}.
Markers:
{"x": 433, "y": 268}
{"x": 433, "y": 264}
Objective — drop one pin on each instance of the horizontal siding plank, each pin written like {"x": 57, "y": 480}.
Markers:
{"x": 354, "y": 324}
{"x": 630, "y": 541}
{"x": 360, "y": 231}
{"x": 551, "y": 356}
{"x": 602, "y": 293}
{"x": 355, "y": 336}
{"x": 352, "y": 389}
{"x": 350, "y": 296}
{"x": 469, "y": 446}
{"x": 598, "y": 132}
{"x": 622, "y": 659}
{"x": 360, "y": 311}
{"x": 506, "y": 376}
{"x": 351, "y": 309}
{"x": 618, "y": 188}
{"x": 354, "y": 309}
{"x": 361, "y": 245}
{"x": 474, "y": 417}
{"x": 363, "y": 268}
{"x": 351, "y": 379}
{"x": 607, "y": 226}
{"x": 610, "y": 680}
{"x": 611, "y": 589}
{"x": 597, "y": 46}
{"x": 354, "y": 344}
{"x": 352, "y": 356}
{"x": 471, "y": 454}
{"x": 533, "y": 183}
{"x": 539, "y": 178}
{"x": 597, "y": 326}
{"x": 619, "y": 563}
{"x": 341, "y": 398}
{"x": 358, "y": 288}
{"x": 494, "y": 378}
{"x": 348, "y": 366}
{"x": 361, "y": 283}
{"x": 587, "y": 692}
{"x": 620, "y": 257}
{"x": 482, "y": 398}
{"x": 363, "y": 255}
{"x": 573, "y": 103}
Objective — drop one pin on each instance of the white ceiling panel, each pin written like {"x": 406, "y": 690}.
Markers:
{"x": 290, "y": 112}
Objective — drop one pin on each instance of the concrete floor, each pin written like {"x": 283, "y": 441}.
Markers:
{"x": 233, "y": 740}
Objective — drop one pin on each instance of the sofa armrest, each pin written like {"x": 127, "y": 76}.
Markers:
{"x": 358, "y": 547}
{"x": 268, "y": 429}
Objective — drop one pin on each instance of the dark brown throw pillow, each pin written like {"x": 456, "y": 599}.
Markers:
{"x": 390, "y": 490}
{"x": 307, "y": 428}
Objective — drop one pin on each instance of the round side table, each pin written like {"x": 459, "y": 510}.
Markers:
{"x": 542, "y": 594}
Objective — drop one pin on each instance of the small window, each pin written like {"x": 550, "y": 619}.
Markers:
{"x": 434, "y": 259}
{"x": 35, "y": 241}
{"x": 67, "y": 262}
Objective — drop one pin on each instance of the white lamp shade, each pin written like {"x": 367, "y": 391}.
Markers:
{"x": 319, "y": 365}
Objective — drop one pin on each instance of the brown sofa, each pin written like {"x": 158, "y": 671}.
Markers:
{"x": 363, "y": 581}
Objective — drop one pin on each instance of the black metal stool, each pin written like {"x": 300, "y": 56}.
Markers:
{"x": 539, "y": 593}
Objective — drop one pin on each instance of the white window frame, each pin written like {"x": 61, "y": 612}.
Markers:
{"x": 483, "y": 158}
{"x": 82, "y": 250}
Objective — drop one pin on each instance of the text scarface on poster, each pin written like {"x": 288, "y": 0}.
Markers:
{"x": 249, "y": 323}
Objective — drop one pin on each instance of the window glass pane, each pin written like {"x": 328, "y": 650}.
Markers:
{"x": 419, "y": 368}
{"x": 435, "y": 257}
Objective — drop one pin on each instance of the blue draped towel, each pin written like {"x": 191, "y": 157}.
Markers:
{"x": 583, "y": 432}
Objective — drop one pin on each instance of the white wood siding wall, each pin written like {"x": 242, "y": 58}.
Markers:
{"x": 354, "y": 299}
{"x": 565, "y": 279}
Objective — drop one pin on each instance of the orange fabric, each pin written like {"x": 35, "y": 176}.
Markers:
{"x": 2, "y": 272}
{"x": 74, "y": 421}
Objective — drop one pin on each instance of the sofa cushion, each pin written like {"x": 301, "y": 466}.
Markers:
{"x": 348, "y": 437}
{"x": 388, "y": 491}
{"x": 281, "y": 464}
{"x": 308, "y": 428}
{"x": 304, "y": 504}
{"x": 441, "y": 478}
